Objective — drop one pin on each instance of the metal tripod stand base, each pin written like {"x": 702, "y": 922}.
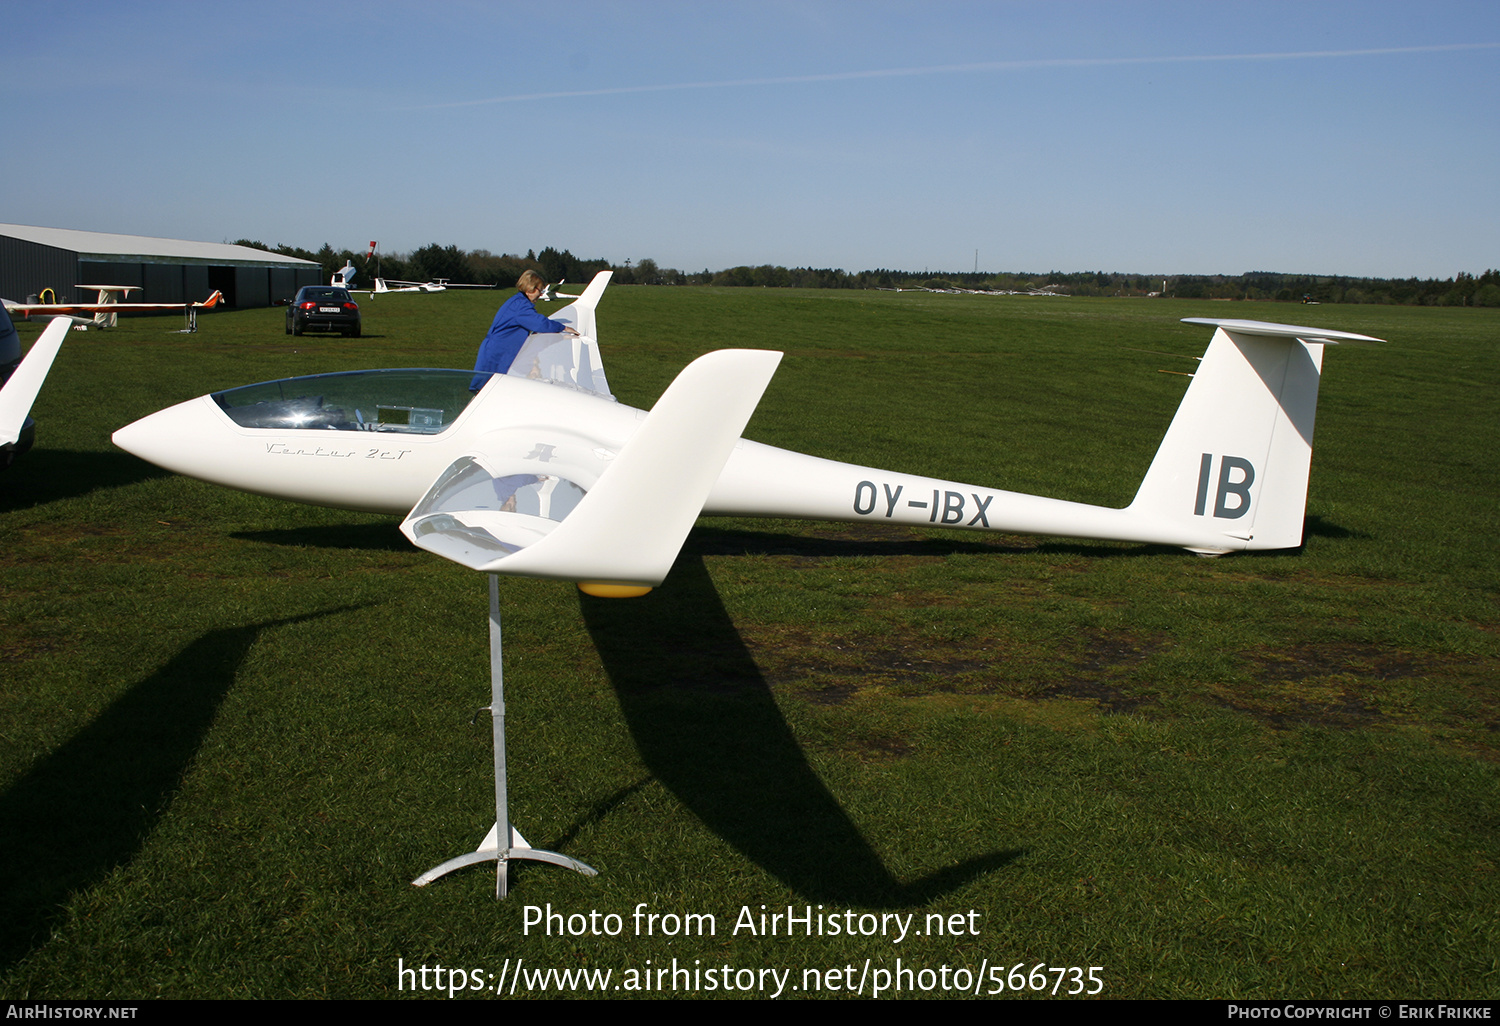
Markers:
{"x": 489, "y": 849}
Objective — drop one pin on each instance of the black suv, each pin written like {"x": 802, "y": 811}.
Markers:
{"x": 323, "y": 308}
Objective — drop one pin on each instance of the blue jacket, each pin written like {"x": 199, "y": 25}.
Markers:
{"x": 516, "y": 319}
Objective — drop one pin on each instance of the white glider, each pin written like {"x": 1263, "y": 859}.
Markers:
{"x": 386, "y": 285}
{"x": 541, "y": 473}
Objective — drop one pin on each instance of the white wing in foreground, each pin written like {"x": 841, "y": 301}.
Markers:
{"x": 627, "y": 529}
{"x": 21, "y": 390}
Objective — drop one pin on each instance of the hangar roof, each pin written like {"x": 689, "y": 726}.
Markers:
{"x": 104, "y": 246}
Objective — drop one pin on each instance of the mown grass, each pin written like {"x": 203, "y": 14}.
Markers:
{"x": 234, "y": 728}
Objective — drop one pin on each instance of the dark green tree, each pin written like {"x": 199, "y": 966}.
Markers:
{"x": 449, "y": 262}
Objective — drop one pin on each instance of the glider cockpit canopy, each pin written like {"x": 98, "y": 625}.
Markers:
{"x": 413, "y": 400}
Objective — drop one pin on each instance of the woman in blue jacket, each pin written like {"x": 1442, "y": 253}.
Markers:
{"x": 514, "y": 322}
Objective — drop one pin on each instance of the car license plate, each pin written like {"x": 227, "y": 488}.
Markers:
{"x": 328, "y": 309}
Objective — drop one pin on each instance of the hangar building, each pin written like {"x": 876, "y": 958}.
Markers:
{"x": 167, "y": 270}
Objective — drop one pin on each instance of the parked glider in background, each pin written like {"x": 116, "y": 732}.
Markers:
{"x": 551, "y": 295}
{"x": 20, "y": 381}
{"x": 542, "y": 474}
{"x": 108, "y": 306}
{"x": 383, "y": 285}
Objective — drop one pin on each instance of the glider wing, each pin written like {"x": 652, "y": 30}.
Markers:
{"x": 626, "y": 530}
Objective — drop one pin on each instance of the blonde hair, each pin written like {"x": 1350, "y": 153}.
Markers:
{"x": 530, "y": 280}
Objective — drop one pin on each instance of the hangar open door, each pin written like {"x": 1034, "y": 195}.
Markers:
{"x": 222, "y": 278}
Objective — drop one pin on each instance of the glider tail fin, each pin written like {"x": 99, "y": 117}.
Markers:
{"x": 1236, "y": 459}
{"x": 580, "y": 312}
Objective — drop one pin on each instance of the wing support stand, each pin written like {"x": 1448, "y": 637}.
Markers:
{"x": 516, "y": 846}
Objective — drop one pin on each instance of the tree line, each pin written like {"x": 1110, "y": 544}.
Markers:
{"x": 482, "y": 267}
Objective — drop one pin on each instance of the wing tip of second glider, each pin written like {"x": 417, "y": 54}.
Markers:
{"x": 1271, "y": 329}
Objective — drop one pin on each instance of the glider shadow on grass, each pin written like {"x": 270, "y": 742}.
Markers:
{"x": 88, "y": 807}
{"x": 383, "y": 536}
{"x": 830, "y": 541}
{"x": 48, "y": 475}
{"x": 706, "y": 725}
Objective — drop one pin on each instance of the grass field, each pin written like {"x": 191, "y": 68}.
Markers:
{"x": 232, "y": 729}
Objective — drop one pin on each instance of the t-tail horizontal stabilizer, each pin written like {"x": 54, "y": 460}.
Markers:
{"x": 1236, "y": 459}
{"x": 623, "y": 535}
{"x": 21, "y": 390}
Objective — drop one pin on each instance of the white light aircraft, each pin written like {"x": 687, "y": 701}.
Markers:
{"x": 541, "y": 473}
{"x": 107, "y": 308}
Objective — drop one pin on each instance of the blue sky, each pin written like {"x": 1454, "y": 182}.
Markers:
{"x": 1334, "y": 138}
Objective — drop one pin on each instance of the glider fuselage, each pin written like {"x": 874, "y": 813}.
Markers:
{"x": 356, "y": 460}
{"x": 543, "y": 474}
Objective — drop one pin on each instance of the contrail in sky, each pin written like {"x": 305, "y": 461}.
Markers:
{"x": 956, "y": 69}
